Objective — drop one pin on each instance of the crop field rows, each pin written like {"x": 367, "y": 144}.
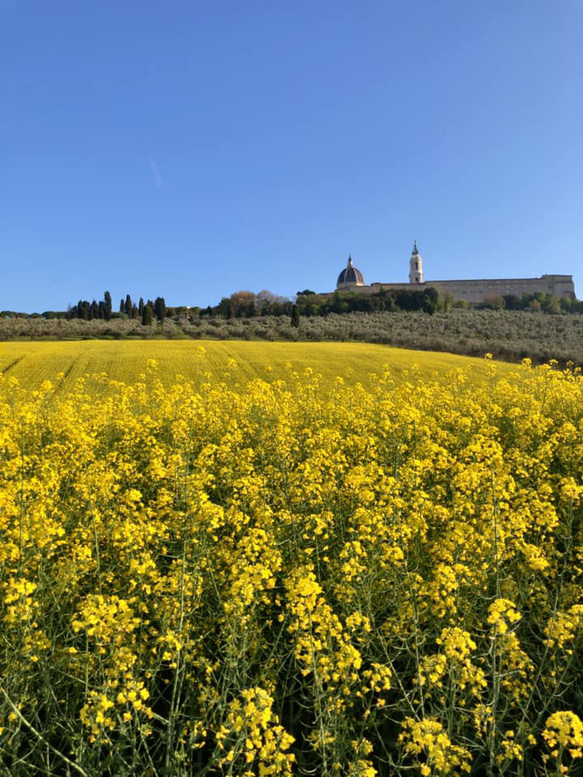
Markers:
{"x": 294, "y": 560}
{"x": 32, "y": 363}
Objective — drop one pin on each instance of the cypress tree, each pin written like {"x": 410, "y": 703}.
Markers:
{"x": 128, "y": 305}
{"x": 147, "y": 314}
{"x": 295, "y": 317}
{"x": 107, "y": 305}
{"x": 160, "y": 308}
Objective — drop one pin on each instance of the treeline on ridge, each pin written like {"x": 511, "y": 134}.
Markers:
{"x": 146, "y": 312}
{"x": 247, "y": 304}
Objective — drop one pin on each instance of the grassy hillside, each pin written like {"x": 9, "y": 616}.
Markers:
{"x": 33, "y": 362}
{"x": 509, "y": 335}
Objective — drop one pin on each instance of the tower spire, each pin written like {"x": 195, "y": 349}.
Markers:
{"x": 415, "y": 266}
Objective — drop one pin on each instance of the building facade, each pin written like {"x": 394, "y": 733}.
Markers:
{"x": 472, "y": 291}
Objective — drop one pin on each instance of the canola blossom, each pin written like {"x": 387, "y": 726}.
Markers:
{"x": 291, "y": 576}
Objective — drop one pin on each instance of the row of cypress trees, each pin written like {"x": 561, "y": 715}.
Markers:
{"x": 147, "y": 311}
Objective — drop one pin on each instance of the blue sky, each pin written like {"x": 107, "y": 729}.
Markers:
{"x": 192, "y": 149}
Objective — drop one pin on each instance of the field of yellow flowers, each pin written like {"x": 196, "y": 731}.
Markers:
{"x": 294, "y": 574}
{"x": 236, "y": 361}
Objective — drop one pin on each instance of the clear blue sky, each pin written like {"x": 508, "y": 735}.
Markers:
{"x": 190, "y": 149}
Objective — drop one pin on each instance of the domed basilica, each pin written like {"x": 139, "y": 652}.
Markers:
{"x": 472, "y": 291}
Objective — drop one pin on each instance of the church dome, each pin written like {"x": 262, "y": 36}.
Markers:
{"x": 349, "y": 276}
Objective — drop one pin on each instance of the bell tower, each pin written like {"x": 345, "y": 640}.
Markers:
{"x": 416, "y": 266}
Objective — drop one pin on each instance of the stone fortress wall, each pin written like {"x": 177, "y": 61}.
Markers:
{"x": 472, "y": 291}
{"x": 479, "y": 290}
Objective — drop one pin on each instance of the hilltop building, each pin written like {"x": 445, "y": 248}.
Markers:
{"x": 350, "y": 277}
{"x": 472, "y": 291}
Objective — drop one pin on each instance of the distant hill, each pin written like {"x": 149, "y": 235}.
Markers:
{"x": 508, "y": 335}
